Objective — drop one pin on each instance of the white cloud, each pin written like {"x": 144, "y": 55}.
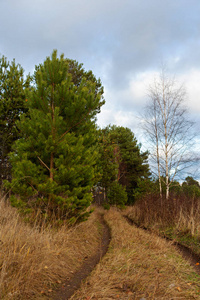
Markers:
{"x": 122, "y": 42}
{"x": 192, "y": 84}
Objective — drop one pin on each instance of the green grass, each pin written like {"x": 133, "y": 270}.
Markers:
{"x": 183, "y": 237}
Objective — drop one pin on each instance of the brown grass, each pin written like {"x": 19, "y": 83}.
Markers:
{"x": 34, "y": 260}
{"x": 178, "y": 218}
{"x": 139, "y": 265}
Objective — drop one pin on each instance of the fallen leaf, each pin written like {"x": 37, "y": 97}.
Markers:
{"x": 120, "y": 286}
{"x": 189, "y": 283}
{"x": 178, "y": 288}
{"x": 129, "y": 293}
{"x": 46, "y": 267}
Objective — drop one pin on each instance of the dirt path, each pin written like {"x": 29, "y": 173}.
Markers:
{"x": 186, "y": 252}
{"x": 139, "y": 265}
{"x": 71, "y": 285}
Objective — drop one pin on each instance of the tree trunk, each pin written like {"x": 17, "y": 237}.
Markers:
{"x": 51, "y": 166}
{"x": 52, "y": 132}
{"x": 166, "y": 144}
{"x": 157, "y": 151}
{"x": 159, "y": 175}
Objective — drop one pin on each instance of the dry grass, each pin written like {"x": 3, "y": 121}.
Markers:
{"x": 33, "y": 261}
{"x": 177, "y": 212}
{"x": 139, "y": 265}
{"x": 177, "y": 218}
{"x": 189, "y": 220}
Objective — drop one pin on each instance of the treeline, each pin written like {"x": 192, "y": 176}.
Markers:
{"x": 188, "y": 189}
{"x": 53, "y": 157}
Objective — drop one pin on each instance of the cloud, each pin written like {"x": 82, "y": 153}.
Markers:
{"x": 123, "y": 107}
{"x": 122, "y": 42}
{"x": 191, "y": 80}
{"x": 133, "y": 35}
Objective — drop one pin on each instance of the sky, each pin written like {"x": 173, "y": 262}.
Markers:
{"x": 123, "y": 42}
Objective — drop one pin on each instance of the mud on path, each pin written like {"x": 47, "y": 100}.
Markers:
{"x": 71, "y": 285}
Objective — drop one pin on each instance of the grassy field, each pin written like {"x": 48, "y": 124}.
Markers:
{"x": 177, "y": 218}
{"x": 34, "y": 261}
{"x": 139, "y": 265}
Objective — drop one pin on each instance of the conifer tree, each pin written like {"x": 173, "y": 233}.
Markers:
{"x": 12, "y": 105}
{"x": 54, "y": 161}
{"x": 122, "y": 161}
{"x": 133, "y": 165}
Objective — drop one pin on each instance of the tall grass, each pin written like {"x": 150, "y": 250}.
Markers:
{"x": 34, "y": 260}
{"x": 181, "y": 214}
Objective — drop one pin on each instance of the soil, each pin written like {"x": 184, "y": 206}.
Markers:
{"x": 70, "y": 286}
{"x": 186, "y": 252}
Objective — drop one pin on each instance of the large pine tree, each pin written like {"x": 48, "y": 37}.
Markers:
{"x": 54, "y": 161}
{"x": 12, "y": 105}
{"x": 121, "y": 160}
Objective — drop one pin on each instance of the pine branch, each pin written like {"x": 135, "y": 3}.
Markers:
{"x": 60, "y": 139}
{"x": 43, "y": 163}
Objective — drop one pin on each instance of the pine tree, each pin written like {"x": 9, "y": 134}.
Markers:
{"x": 54, "y": 161}
{"x": 133, "y": 164}
{"x": 12, "y": 105}
{"x": 122, "y": 161}
{"x": 109, "y": 162}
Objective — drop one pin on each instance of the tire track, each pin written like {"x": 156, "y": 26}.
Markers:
{"x": 71, "y": 285}
{"x": 187, "y": 253}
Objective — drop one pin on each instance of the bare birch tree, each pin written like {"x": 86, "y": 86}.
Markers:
{"x": 151, "y": 127}
{"x": 168, "y": 129}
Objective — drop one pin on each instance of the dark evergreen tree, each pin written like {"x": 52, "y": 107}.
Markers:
{"x": 54, "y": 161}
{"x": 108, "y": 162}
{"x": 12, "y": 105}
{"x": 190, "y": 188}
{"x": 189, "y": 180}
{"x": 122, "y": 160}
